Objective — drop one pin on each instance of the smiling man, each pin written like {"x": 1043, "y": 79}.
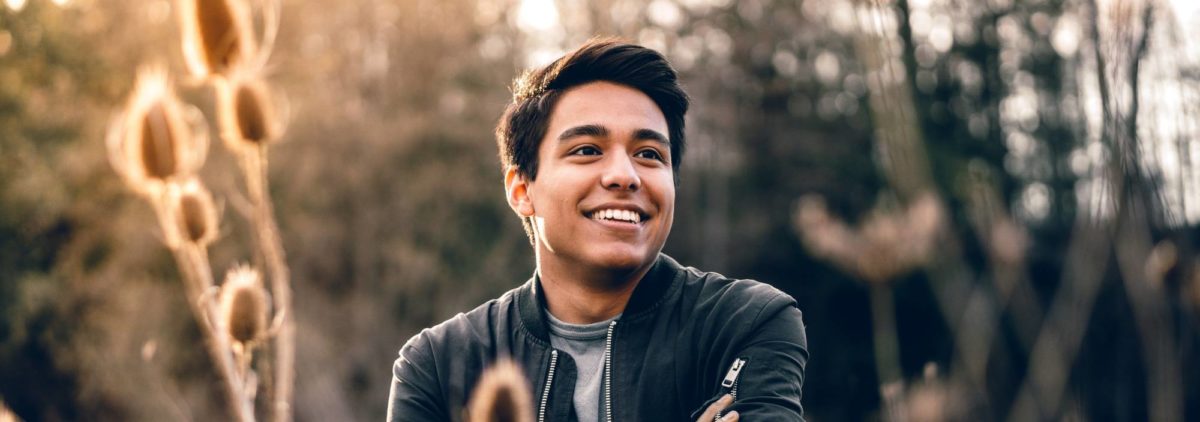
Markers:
{"x": 608, "y": 328}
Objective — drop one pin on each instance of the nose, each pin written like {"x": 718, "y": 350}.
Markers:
{"x": 619, "y": 173}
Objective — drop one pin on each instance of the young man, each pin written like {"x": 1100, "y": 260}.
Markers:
{"x": 608, "y": 328}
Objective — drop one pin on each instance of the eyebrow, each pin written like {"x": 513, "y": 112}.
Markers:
{"x": 584, "y": 130}
{"x": 651, "y": 135}
{"x": 595, "y": 130}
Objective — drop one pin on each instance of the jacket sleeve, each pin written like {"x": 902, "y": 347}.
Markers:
{"x": 768, "y": 387}
{"x": 415, "y": 393}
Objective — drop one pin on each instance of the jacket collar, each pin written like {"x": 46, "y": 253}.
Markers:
{"x": 650, "y": 291}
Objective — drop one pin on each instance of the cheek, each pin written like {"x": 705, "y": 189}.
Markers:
{"x": 554, "y": 195}
{"x": 665, "y": 200}
{"x": 663, "y": 191}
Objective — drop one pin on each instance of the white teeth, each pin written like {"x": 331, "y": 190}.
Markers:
{"x": 619, "y": 215}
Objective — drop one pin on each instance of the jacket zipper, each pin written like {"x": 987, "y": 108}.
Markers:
{"x": 549, "y": 383}
{"x": 731, "y": 381}
{"x": 608, "y": 372}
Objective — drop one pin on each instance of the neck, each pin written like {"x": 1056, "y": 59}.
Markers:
{"x": 578, "y": 296}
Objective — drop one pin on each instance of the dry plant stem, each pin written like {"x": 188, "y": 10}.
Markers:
{"x": 1159, "y": 350}
{"x": 902, "y": 155}
{"x": 193, "y": 264}
{"x": 1135, "y": 200}
{"x": 1014, "y": 294}
{"x": 1020, "y": 301}
{"x": 887, "y": 349}
{"x": 270, "y": 22}
{"x": 219, "y": 347}
{"x": 1087, "y": 256}
{"x": 218, "y": 344}
{"x": 254, "y": 164}
{"x": 242, "y": 355}
{"x": 1133, "y": 244}
{"x": 1061, "y": 335}
{"x": 903, "y": 158}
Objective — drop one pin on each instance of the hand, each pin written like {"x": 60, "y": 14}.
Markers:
{"x": 710, "y": 414}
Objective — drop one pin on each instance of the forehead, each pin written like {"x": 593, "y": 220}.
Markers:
{"x": 619, "y": 108}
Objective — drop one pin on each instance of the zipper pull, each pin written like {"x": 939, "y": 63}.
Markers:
{"x": 731, "y": 376}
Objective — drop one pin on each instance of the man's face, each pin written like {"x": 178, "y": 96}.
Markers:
{"x": 604, "y": 198}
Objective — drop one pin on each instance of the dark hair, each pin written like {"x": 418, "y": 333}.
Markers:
{"x": 520, "y": 131}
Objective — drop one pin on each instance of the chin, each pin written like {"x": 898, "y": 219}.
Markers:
{"x": 622, "y": 260}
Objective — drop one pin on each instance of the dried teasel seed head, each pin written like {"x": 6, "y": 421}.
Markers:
{"x": 193, "y": 213}
{"x": 928, "y": 400}
{"x": 824, "y": 235}
{"x": 244, "y": 305}
{"x": 247, "y": 114}
{"x": 216, "y": 36}
{"x": 502, "y": 395}
{"x": 884, "y": 248}
{"x": 152, "y": 142}
{"x": 885, "y": 245}
{"x": 925, "y": 218}
{"x": 157, "y": 141}
{"x": 253, "y": 112}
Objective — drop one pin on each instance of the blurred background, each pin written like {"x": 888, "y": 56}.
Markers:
{"x": 987, "y": 210}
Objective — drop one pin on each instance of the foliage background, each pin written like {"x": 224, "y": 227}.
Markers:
{"x": 391, "y": 204}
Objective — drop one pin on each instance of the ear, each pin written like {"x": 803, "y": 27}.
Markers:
{"x": 516, "y": 189}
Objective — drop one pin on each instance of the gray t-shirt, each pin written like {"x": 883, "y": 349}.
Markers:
{"x": 585, "y": 344}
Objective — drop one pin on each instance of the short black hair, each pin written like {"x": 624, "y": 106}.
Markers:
{"x": 520, "y": 131}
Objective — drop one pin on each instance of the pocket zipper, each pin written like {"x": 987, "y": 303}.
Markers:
{"x": 731, "y": 381}
{"x": 734, "y": 370}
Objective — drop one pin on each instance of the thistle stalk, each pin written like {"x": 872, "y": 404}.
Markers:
{"x": 193, "y": 264}
{"x": 254, "y": 167}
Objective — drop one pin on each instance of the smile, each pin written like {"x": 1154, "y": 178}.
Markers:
{"x": 624, "y": 216}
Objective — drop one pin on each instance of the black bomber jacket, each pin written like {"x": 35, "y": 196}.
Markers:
{"x": 686, "y": 338}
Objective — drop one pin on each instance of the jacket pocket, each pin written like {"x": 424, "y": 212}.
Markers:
{"x": 729, "y": 385}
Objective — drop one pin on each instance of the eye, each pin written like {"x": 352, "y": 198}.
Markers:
{"x": 651, "y": 154}
{"x": 586, "y": 150}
